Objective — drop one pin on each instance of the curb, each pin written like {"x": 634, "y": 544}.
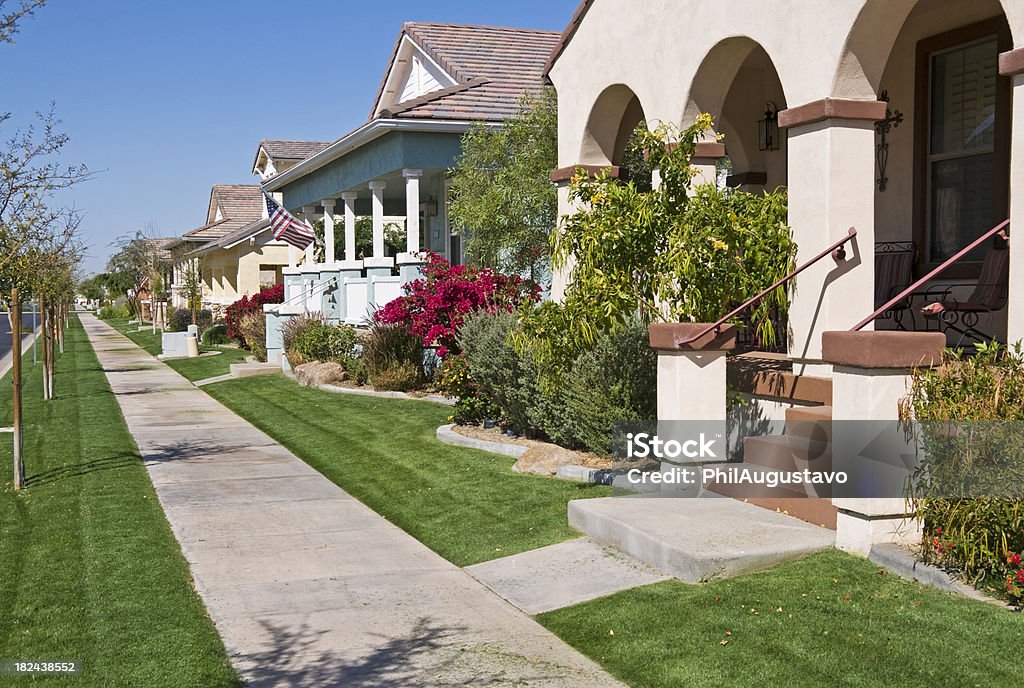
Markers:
{"x": 446, "y": 434}
{"x": 434, "y": 398}
{"x": 902, "y": 562}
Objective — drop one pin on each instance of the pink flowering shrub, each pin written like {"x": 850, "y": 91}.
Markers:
{"x": 434, "y": 306}
{"x": 234, "y": 313}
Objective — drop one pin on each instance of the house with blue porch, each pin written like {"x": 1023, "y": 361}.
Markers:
{"x": 441, "y": 79}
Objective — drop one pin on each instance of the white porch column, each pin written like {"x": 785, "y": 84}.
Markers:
{"x": 377, "y": 188}
{"x": 309, "y": 215}
{"x": 349, "y": 197}
{"x": 872, "y": 373}
{"x": 328, "y": 204}
{"x": 831, "y": 188}
{"x": 1011, "y": 64}
{"x": 412, "y": 210}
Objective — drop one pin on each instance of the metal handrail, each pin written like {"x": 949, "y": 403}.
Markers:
{"x": 836, "y": 250}
{"x": 933, "y": 274}
{"x": 303, "y": 293}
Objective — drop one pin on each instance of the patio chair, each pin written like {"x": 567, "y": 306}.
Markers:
{"x": 894, "y": 272}
{"x": 989, "y": 294}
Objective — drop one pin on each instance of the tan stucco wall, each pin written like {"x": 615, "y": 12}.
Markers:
{"x": 237, "y": 269}
{"x": 656, "y": 47}
{"x": 685, "y": 56}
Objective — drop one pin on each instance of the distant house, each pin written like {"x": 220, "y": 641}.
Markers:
{"x": 235, "y": 250}
{"x": 274, "y": 157}
{"x": 441, "y": 79}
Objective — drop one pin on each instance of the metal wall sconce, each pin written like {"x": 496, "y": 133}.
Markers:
{"x": 893, "y": 118}
{"x": 429, "y": 208}
{"x": 768, "y": 128}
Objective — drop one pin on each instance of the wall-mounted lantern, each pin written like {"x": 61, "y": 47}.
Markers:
{"x": 429, "y": 208}
{"x": 768, "y": 128}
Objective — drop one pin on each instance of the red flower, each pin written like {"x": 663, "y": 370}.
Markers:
{"x": 433, "y": 307}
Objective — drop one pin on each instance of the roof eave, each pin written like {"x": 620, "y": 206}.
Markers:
{"x": 360, "y": 137}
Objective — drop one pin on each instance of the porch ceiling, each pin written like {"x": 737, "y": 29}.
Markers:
{"x": 384, "y": 158}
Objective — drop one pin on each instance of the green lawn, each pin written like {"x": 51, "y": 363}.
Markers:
{"x": 827, "y": 620}
{"x": 89, "y": 568}
{"x": 467, "y": 505}
{"x": 192, "y": 368}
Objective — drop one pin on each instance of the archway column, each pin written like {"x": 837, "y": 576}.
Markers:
{"x": 831, "y": 188}
{"x": 1011, "y": 64}
{"x": 561, "y": 178}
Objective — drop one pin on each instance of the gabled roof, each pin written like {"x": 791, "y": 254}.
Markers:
{"x": 292, "y": 150}
{"x": 236, "y": 202}
{"x": 492, "y": 67}
{"x": 242, "y": 233}
{"x": 210, "y": 231}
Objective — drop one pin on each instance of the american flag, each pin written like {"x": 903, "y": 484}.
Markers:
{"x": 286, "y": 227}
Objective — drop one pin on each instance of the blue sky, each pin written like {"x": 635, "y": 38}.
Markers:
{"x": 164, "y": 99}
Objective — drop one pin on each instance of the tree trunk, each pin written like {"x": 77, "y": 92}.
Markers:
{"x": 19, "y": 460}
{"x": 52, "y": 334}
{"x": 42, "y": 335}
{"x": 62, "y": 310}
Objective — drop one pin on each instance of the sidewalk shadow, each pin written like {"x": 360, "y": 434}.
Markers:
{"x": 431, "y": 654}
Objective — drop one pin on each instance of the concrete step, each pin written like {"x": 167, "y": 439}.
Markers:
{"x": 810, "y": 422}
{"x": 253, "y": 369}
{"x": 697, "y": 539}
{"x": 787, "y": 453}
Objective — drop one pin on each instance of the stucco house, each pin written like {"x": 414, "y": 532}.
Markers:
{"x": 441, "y": 79}
{"x": 236, "y": 253}
{"x": 902, "y": 119}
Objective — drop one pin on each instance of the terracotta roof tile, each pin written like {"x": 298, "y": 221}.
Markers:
{"x": 238, "y": 201}
{"x": 292, "y": 150}
{"x": 494, "y": 66}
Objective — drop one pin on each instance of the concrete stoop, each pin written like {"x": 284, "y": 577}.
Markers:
{"x": 697, "y": 539}
{"x": 253, "y": 369}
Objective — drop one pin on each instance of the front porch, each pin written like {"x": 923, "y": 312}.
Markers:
{"x": 891, "y": 118}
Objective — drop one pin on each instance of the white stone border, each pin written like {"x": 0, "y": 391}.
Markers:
{"x": 447, "y": 434}
{"x": 433, "y": 398}
{"x": 900, "y": 560}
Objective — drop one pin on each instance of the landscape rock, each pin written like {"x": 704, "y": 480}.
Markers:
{"x": 545, "y": 460}
{"x": 315, "y": 374}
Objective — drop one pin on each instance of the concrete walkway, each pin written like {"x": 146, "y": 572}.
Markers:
{"x": 563, "y": 574}
{"x": 306, "y": 585}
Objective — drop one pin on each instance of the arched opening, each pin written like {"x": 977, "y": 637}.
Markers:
{"x": 942, "y": 153}
{"x": 614, "y": 116}
{"x": 737, "y": 83}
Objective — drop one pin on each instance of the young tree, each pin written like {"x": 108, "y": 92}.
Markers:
{"x": 503, "y": 202}
{"x": 32, "y": 225}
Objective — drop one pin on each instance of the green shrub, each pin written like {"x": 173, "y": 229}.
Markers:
{"x": 498, "y": 369}
{"x": 179, "y": 320}
{"x": 473, "y": 403}
{"x": 110, "y": 312}
{"x": 308, "y": 338}
{"x": 253, "y": 327}
{"x": 982, "y": 538}
{"x": 204, "y": 319}
{"x": 401, "y": 377}
{"x": 615, "y": 381}
{"x": 511, "y": 378}
{"x": 393, "y": 355}
{"x": 216, "y": 335}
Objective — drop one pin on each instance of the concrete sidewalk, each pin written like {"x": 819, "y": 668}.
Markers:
{"x": 306, "y": 585}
